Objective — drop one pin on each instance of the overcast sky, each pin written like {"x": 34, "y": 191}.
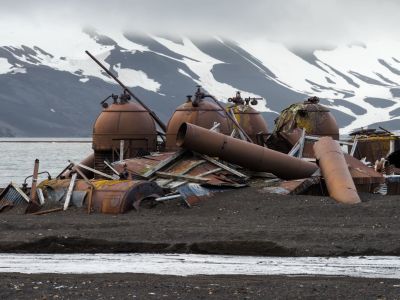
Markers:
{"x": 294, "y": 22}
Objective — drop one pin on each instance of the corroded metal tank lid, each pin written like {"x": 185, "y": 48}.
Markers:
{"x": 243, "y": 109}
{"x": 125, "y": 107}
{"x": 312, "y": 105}
{"x": 201, "y": 106}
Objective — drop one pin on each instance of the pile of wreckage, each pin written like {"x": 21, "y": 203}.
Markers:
{"x": 207, "y": 148}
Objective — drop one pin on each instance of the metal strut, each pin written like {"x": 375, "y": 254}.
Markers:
{"x": 152, "y": 114}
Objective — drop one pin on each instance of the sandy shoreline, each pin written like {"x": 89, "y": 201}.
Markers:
{"x": 239, "y": 222}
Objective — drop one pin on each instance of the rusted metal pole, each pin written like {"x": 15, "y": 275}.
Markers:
{"x": 232, "y": 118}
{"x": 34, "y": 182}
{"x": 335, "y": 171}
{"x": 242, "y": 153}
{"x": 152, "y": 114}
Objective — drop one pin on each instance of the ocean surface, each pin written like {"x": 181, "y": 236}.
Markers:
{"x": 17, "y": 156}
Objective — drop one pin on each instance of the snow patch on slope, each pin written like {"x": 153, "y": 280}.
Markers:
{"x": 347, "y": 74}
{"x": 6, "y": 67}
{"x": 202, "y": 64}
{"x": 134, "y": 78}
{"x": 70, "y": 56}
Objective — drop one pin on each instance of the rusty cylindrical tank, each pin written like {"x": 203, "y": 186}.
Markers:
{"x": 109, "y": 196}
{"x": 200, "y": 112}
{"x": 245, "y": 154}
{"x": 335, "y": 171}
{"x": 248, "y": 118}
{"x": 315, "y": 118}
{"x": 127, "y": 121}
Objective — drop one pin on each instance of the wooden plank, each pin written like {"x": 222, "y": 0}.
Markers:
{"x": 121, "y": 150}
{"x": 302, "y": 141}
{"x": 69, "y": 191}
{"x": 114, "y": 177}
{"x": 316, "y": 138}
{"x": 295, "y": 149}
{"x": 221, "y": 165}
{"x": 164, "y": 163}
{"x": 210, "y": 172}
{"x": 40, "y": 196}
{"x": 83, "y": 176}
{"x": 354, "y": 147}
{"x": 184, "y": 177}
{"x": 111, "y": 167}
{"x": 47, "y": 211}
{"x": 90, "y": 196}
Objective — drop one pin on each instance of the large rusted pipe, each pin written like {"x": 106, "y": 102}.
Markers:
{"x": 334, "y": 168}
{"x": 242, "y": 153}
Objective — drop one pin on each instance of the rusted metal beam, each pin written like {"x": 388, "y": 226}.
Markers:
{"x": 152, "y": 114}
{"x": 335, "y": 171}
{"x": 242, "y": 153}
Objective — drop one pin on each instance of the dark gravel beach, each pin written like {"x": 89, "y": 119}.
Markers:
{"x": 239, "y": 222}
{"x": 143, "y": 286}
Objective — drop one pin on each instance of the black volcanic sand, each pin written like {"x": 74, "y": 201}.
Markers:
{"x": 142, "y": 286}
{"x": 240, "y": 222}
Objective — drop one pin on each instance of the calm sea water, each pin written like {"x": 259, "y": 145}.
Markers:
{"x": 17, "y": 156}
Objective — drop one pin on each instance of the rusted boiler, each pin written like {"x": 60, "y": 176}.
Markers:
{"x": 311, "y": 116}
{"x": 248, "y": 118}
{"x": 122, "y": 124}
{"x": 196, "y": 110}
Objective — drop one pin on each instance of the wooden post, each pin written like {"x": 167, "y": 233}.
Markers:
{"x": 40, "y": 195}
{"x": 69, "y": 192}
{"x": 121, "y": 150}
{"x": 34, "y": 181}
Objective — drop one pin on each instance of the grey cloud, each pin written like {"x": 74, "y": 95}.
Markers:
{"x": 295, "y": 22}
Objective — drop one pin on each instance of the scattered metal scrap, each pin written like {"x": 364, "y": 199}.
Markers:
{"x": 12, "y": 196}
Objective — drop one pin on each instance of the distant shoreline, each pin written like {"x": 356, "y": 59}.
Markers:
{"x": 45, "y": 140}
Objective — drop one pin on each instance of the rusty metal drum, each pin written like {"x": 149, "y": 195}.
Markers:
{"x": 315, "y": 118}
{"x": 250, "y": 120}
{"x": 124, "y": 121}
{"x": 202, "y": 113}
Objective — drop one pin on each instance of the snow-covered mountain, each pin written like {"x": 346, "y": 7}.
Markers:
{"x": 50, "y": 87}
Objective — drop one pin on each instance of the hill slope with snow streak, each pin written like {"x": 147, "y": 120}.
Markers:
{"x": 52, "y": 88}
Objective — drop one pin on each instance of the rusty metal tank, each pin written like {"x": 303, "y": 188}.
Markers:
{"x": 248, "y": 118}
{"x": 122, "y": 121}
{"x": 315, "y": 118}
{"x": 200, "y": 112}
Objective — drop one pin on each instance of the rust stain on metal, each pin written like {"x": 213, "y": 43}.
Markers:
{"x": 127, "y": 121}
{"x": 334, "y": 169}
{"x": 315, "y": 118}
{"x": 202, "y": 113}
{"x": 110, "y": 196}
{"x": 251, "y": 156}
{"x": 250, "y": 120}
{"x": 187, "y": 168}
